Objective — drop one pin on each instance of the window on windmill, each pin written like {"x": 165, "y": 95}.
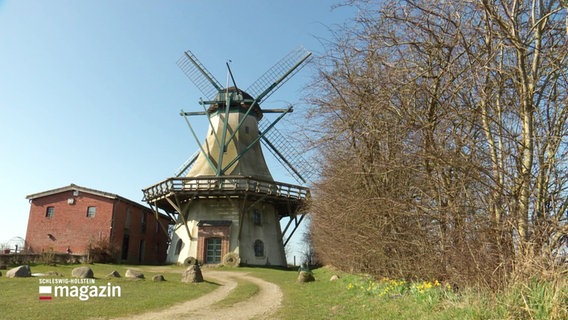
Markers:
{"x": 256, "y": 219}
{"x": 258, "y": 248}
{"x": 91, "y": 212}
{"x": 179, "y": 245}
{"x": 49, "y": 212}
{"x": 246, "y": 129}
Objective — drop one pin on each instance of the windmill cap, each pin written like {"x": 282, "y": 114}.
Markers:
{"x": 239, "y": 101}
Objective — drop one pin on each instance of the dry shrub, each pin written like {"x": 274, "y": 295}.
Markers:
{"x": 438, "y": 162}
{"x": 537, "y": 288}
{"x": 102, "y": 251}
{"x": 47, "y": 257}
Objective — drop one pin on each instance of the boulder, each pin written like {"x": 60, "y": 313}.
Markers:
{"x": 83, "y": 273}
{"x": 192, "y": 274}
{"x": 18, "y": 272}
{"x": 305, "y": 276}
{"x": 158, "y": 278}
{"x": 113, "y": 274}
{"x": 334, "y": 278}
{"x": 53, "y": 274}
{"x": 133, "y": 274}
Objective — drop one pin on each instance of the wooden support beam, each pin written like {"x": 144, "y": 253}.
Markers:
{"x": 154, "y": 208}
{"x": 296, "y": 225}
{"x": 182, "y": 210}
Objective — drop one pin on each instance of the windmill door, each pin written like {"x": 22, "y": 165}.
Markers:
{"x": 213, "y": 240}
{"x": 213, "y": 250}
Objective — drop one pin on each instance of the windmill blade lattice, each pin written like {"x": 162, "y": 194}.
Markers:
{"x": 201, "y": 77}
{"x": 278, "y": 74}
{"x": 288, "y": 155}
{"x": 186, "y": 166}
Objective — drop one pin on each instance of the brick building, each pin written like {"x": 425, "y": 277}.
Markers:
{"x": 71, "y": 218}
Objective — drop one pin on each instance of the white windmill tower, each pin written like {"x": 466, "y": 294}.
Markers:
{"x": 225, "y": 204}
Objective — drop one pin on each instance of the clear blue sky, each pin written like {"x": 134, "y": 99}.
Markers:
{"x": 90, "y": 91}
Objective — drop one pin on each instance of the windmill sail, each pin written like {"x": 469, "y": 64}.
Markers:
{"x": 288, "y": 155}
{"x": 278, "y": 74}
{"x": 201, "y": 77}
{"x": 186, "y": 166}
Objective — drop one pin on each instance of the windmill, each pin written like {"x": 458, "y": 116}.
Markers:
{"x": 223, "y": 200}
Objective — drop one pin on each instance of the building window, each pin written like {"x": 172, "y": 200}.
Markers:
{"x": 143, "y": 223}
{"x": 179, "y": 245}
{"x": 91, "y": 212}
{"x": 258, "y": 248}
{"x": 256, "y": 217}
{"x": 49, "y": 212}
{"x": 127, "y": 222}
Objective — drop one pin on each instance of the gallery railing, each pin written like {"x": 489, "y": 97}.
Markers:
{"x": 224, "y": 185}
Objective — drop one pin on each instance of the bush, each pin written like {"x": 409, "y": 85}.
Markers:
{"x": 102, "y": 251}
{"x": 47, "y": 258}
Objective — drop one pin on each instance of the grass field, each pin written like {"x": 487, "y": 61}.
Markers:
{"x": 243, "y": 291}
{"x": 19, "y": 297}
{"x": 360, "y": 297}
{"x": 355, "y": 297}
{"x": 349, "y": 297}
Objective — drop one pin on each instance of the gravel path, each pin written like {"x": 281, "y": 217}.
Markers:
{"x": 259, "y": 306}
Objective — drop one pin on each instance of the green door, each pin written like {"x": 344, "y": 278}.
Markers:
{"x": 213, "y": 250}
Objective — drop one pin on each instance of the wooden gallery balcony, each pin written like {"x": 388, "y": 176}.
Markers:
{"x": 287, "y": 198}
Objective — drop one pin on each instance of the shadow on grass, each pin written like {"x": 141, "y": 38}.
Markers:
{"x": 212, "y": 282}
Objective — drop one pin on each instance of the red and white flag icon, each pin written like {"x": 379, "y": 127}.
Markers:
{"x": 44, "y": 292}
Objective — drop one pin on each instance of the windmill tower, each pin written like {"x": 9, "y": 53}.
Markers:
{"x": 223, "y": 200}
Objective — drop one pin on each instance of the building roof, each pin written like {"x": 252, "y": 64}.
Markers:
{"x": 74, "y": 187}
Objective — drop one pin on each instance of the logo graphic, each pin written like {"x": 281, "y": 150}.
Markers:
{"x": 76, "y": 288}
{"x": 44, "y": 292}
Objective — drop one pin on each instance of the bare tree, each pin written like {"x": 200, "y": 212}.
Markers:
{"x": 443, "y": 134}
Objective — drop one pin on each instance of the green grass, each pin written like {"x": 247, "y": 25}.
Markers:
{"x": 19, "y": 297}
{"x": 324, "y": 299}
{"x": 359, "y": 297}
{"x": 350, "y": 297}
{"x": 243, "y": 291}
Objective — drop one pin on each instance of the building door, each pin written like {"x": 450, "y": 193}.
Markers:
{"x": 213, "y": 250}
{"x": 141, "y": 252}
{"x": 125, "y": 244}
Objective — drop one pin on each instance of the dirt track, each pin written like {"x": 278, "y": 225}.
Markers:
{"x": 259, "y": 306}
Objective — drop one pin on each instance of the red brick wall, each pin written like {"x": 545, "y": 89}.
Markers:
{"x": 69, "y": 227}
{"x": 155, "y": 239}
